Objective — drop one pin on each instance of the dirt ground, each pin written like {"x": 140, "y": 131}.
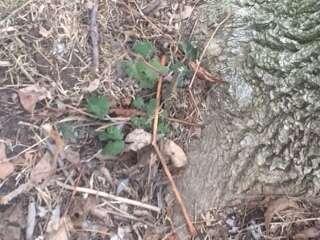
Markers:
{"x": 55, "y": 183}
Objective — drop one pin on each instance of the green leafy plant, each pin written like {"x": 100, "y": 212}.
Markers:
{"x": 138, "y": 103}
{"x": 111, "y": 133}
{"x": 113, "y": 148}
{"x": 182, "y": 73}
{"x": 190, "y": 51}
{"x": 145, "y": 49}
{"x": 113, "y": 141}
{"x": 68, "y": 131}
{"x": 145, "y": 70}
{"x": 143, "y": 74}
{"x": 98, "y": 105}
{"x": 145, "y": 122}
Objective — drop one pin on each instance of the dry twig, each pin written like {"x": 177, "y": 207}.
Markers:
{"x": 176, "y": 192}
{"x": 109, "y": 196}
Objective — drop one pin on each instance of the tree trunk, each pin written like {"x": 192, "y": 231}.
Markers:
{"x": 263, "y": 129}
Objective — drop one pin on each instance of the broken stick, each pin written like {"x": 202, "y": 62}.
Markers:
{"x": 192, "y": 230}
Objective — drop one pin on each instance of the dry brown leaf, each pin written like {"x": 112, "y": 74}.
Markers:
{"x": 308, "y": 233}
{"x": 6, "y": 169}
{"x": 138, "y": 139}
{"x": 72, "y": 156}
{"x": 48, "y": 163}
{"x": 61, "y": 231}
{"x": 277, "y": 206}
{"x": 44, "y": 168}
{"x": 174, "y": 152}
{"x": 32, "y": 94}
{"x": 80, "y": 209}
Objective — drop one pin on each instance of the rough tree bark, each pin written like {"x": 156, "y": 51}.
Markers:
{"x": 263, "y": 130}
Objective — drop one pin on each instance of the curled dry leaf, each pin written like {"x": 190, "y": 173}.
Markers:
{"x": 32, "y": 94}
{"x": 277, "y": 206}
{"x": 309, "y": 233}
{"x": 177, "y": 156}
{"x": 138, "y": 139}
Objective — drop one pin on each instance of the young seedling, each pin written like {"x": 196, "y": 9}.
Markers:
{"x": 98, "y": 105}
{"x": 113, "y": 141}
{"x": 146, "y": 69}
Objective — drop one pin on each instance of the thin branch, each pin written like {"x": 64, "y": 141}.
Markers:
{"x": 109, "y": 196}
{"x": 156, "y": 112}
{"x": 192, "y": 230}
{"x": 176, "y": 192}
